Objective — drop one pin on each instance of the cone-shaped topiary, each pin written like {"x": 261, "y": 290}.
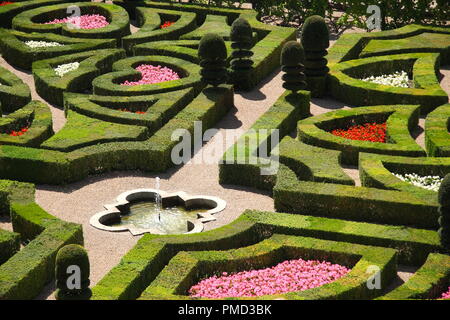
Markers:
{"x": 72, "y": 273}
{"x": 444, "y": 211}
{"x": 213, "y": 54}
{"x": 292, "y": 59}
{"x": 315, "y": 39}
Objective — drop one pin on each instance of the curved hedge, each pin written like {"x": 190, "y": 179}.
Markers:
{"x": 17, "y": 53}
{"x": 187, "y": 268}
{"x": 52, "y": 87}
{"x": 437, "y": 128}
{"x": 14, "y": 93}
{"x": 34, "y": 21}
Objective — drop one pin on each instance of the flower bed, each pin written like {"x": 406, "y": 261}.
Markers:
{"x": 446, "y": 295}
{"x": 153, "y": 74}
{"x": 62, "y": 69}
{"x": 397, "y": 79}
{"x": 288, "y": 276}
{"x": 127, "y": 110}
{"x": 4, "y": 3}
{"x": 166, "y": 24}
{"x": 373, "y": 132}
{"x": 427, "y": 182}
{"x": 18, "y": 133}
{"x": 42, "y": 44}
{"x": 86, "y": 21}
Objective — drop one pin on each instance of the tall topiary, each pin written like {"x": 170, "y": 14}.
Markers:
{"x": 444, "y": 211}
{"x": 292, "y": 59}
{"x": 241, "y": 64}
{"x": 72, "y": 273}
{"x": 315, "y": 38}
{"x": 213, "y": 54}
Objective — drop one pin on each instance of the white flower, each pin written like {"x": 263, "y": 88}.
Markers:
{"x": 427, "y": 182}
{"x": 62, "y": 69}
{"x": 42, "y": 44}
{"x": 397, "y": 79}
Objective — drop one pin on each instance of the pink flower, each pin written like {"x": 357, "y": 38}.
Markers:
{"x": 287, "y": 276}
{"x": 446, "y": 295}
{"x": 86, "y": 21}
{"x": 153, "y": 74}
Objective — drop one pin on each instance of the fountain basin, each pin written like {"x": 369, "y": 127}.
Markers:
{"x": 136, "y": 211}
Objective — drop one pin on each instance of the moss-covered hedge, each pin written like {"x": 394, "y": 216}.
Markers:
{"x": 14, "y": 93}
{"x": 187, "y": 268}
{"x": 35, "y": 21}
{"x": 109, "y": 84}
{"x": 346, "y": 84}
{"x": 352, "y": 203}
{"x": 241, "y": 164}
{"x": 17, "y": 53}
{"x": 400, "y": 121}
{"x": 52, "y": 87}
{"x": 36, "y": 116}
{"x": 437, "y": 128}
{"x": 26, "y": 273}
{"x": 9, "y": 245}
{"x": 141, "y": 265}
{"x": 429, "y": 282}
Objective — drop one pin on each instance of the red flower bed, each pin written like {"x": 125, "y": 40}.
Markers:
{"x": 4, "y": 3}
{"x": 373, "y": 132}
{"x": 18, "y": 133}
{"x": 126, "y": 110}
{"x": 167, "y": 24}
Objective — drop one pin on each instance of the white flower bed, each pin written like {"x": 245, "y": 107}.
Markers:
{"x": 62, "y": 69}
{"x": 428, "y": 182}
{"x": 397, "y": 79}
{"x": 42, "y": 44}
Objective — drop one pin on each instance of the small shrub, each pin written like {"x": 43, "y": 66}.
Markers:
{"x": 292, "y": 59}
{"x": 213, "y": 54}
{"x": 67, "y": 256}
{"x": 242, "y": 41}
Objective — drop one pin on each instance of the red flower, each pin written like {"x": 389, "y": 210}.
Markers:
{"x": 4, "y": 3}
{"x": 166, "y": 24}
{"x": 20, "y": 132}
{"x": 373, "y": 132}
{"x": 126, "y": 110}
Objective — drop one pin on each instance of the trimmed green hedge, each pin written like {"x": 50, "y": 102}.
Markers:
{"x": 400, "y": 121}
{"x": 313, "y": 163}
{"x": 141, "y": 265}
{"x": 17, "y": 53}
{"x": 35, "y": 21}
{"x": 378, "y": 172}
{"x": 52, "y": 87}
{"x": 187, "y": 268}
{"x": 14, "y": 93}
{"x": 7, "y": 13}
{"x": 346, "y": 84}
{"x": 81, "y": 131}
{"x": 241, "y": 164}
{"x": 109, "y": 84}
{"x": 9, "y": 245}
{"x": 429, "y": 282}
{"x": 352, "y": 203}
{"x": 24, "y": 275}
{"x": 150, "y": 21}
{"x": 437, "y": 128}
{"x": 37, "y": 116}
{"x": 212, "y": 24}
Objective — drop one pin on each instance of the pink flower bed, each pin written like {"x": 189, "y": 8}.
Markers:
{"x": 153, "y": 74}
{"x": 446, "y": 295}
{"x": 288, "y": 276}
{"x": 86, "y": 21}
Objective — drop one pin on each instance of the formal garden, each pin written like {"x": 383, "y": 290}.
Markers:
{"x": 118, "y": 180}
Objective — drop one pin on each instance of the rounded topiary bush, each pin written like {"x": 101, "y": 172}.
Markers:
{"x": 292, "y": 59}
{"x": 315, "y": 38}
{"x": 444, "y": 211}
{"x": 213, "y": 54}
{"x": 72, "y": 273}
{"x": 241, "y": 64}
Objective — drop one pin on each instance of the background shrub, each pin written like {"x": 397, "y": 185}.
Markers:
{"x": 213, "y": 54}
